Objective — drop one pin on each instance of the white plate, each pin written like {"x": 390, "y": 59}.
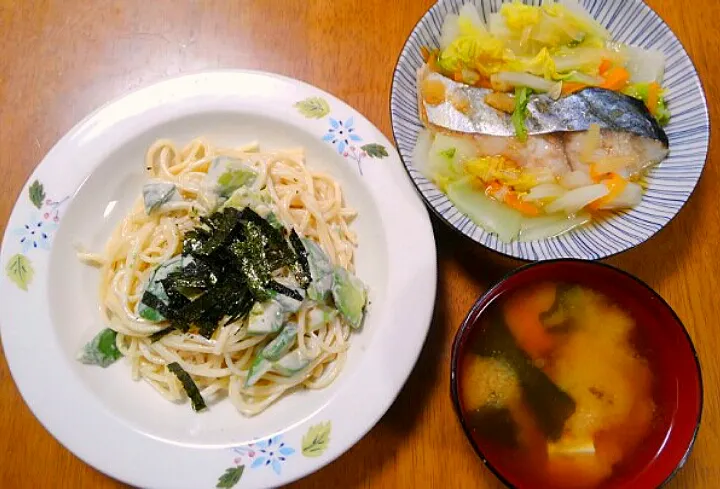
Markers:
{"x": 81, "y": 190}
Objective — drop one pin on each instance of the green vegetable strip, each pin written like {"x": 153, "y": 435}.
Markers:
{"x": 640, "y": 91}
{"x": 198, "y": 403}
{"x": 101, "y": 350}
{"x": 522, "y": 97}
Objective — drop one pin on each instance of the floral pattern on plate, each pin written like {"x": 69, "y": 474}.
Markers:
{"x": 341, "y": 133}
{"x": 273, "y": 452}
{"x": 35, "y": 234}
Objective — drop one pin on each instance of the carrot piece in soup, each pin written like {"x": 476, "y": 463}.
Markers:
{"x": 522, "y": 313}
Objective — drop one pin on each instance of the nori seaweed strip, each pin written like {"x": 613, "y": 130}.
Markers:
{"x": 302, "y": 273}
{"x": 209, "y": 309}
{"x": 241, "y": 307}
{"x": 156, "y": 336}
{"x": 196, "y": 275}
{"x": 152, "y": 301}
{"x": 281, "y": 289}
{"x": 277, "y": 251}
{"x": 177, "y": 301}
{"x": 250, "y": 254}
{"x": 222, "y": 225}
{"x": 193, "y": 241}
{"x": 198, "y": 403}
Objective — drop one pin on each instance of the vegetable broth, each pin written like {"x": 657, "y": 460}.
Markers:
{"x": 555, "y": 386}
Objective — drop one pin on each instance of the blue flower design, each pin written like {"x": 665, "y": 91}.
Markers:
{"x": 271, "y": 451}
{"x": 341, "y": 134}
{"x": 36, "y": 233}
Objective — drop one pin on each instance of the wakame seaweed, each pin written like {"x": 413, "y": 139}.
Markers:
{"x": 233, "y": 256}
{"x": 494, "y": 423}
{"x": 550, "y": 405}
{"x": 198, "y": 403}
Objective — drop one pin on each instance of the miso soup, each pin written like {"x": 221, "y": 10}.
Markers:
{"x": 554, "y": 386}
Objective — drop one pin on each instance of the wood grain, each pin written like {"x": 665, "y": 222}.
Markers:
{"x": 61, "y": 60}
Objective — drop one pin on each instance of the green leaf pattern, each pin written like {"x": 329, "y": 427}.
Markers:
{"x": 316, "y": 440}
{"x": 20, "y": 271}
{"x": 313, "y": 107}
{"x": 37, "y": 194}
{"x": 375, "y": 150}
{"x": 230, "y": 477}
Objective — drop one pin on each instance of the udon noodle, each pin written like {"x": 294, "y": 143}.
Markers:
{"x": 310, "y": 202}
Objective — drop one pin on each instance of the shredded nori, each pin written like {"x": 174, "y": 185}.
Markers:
{"x": 156, "y": 336}
{"x": 302, "y": 273}
{"x": 250, "y": 254}
{"x": 152, "y": 301}
{"x": 196, "y": 275}
{"x": 281, "y": 289}
{"x": 234, "y": 255}
{"x": 198, "y": 403}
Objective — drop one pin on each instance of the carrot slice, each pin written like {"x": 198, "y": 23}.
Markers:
{"x": 483, "y": 82}
{"x": 595, "y": 174}
{"x": 605, "y": 65}
{"x": 432, "y": 62}
{"x": 572, "y": 87}
{"x": 425, "y": 53}
{"x": 512, "y": 199}
{"x": 616, "y": 78}
{"x": 522, "y": 314}
{"x": 653, "y": 97}
{"x": 615, "y": 184}
{"x": 493, "y": 187}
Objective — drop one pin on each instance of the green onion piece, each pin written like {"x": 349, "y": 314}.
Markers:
{"x": 198, "y": 403}
{"x": 522, "y": 97}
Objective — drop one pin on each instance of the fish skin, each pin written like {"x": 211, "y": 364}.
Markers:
{"x": 576, "y": 112}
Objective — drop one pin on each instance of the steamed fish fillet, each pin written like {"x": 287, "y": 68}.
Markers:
{"x": 463, "y": 109}
{"x": 537, "y": 153}
{"x": 618, "y": 151}
{"x": 557, "y": 154}
{"x": 631, "y": 140}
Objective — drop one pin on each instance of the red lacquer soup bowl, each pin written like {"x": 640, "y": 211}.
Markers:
{"x": 660, "y": 338}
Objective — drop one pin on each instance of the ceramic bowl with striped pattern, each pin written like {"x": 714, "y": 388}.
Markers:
{"x": 670, "y": 183}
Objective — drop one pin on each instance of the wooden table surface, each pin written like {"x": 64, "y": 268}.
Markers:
{"x": 59, "y": 60}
